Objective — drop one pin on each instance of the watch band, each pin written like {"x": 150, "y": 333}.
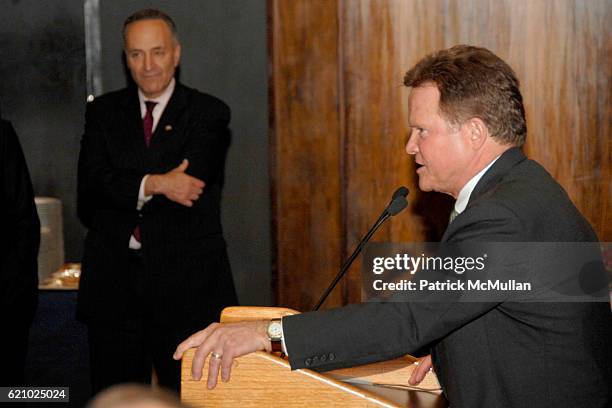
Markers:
{"x": 277, "y": 346}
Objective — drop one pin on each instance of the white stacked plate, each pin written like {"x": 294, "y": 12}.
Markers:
{"x": 51, "y": 253}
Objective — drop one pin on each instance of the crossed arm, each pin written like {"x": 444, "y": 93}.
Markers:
{"x": 176, "y": 185}
{"x": 102, "y": 184}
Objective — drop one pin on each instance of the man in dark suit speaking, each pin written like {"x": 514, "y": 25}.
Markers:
{"x": 150, "y": 174}
{"x": 467, "y": 124}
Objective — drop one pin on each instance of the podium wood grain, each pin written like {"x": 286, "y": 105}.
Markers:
{"x": 265, "y": 380}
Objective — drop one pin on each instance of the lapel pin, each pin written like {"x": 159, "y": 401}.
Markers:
{"x": 168, "y": 128}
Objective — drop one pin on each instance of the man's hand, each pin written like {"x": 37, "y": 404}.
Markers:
{"x": 224, "y": 342}
{"x": 423, "y": 367}
{"x": 176, "y": 185}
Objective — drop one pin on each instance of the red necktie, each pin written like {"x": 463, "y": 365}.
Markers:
{"x": 147, "y": 125}
{"x": 147, "y": 122}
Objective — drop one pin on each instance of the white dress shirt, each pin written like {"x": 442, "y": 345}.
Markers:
{"x": 158, "y": 110}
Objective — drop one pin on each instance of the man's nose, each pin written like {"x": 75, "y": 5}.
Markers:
{"x": 148, "y": 62}
{"x": 411, "y": 145}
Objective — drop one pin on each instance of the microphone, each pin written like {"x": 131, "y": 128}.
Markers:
{"x": 400, "y": 192}
{"x": 397, "y": 204}
{"x": 398, "y": 201}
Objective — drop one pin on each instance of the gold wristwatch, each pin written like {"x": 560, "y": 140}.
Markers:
{"x": 275, "y": 334}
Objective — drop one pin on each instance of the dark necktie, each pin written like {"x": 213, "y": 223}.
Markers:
{"x": 147, "y": 125}
{"x": 452, "y": 216}
{"x": 147, "y": 122}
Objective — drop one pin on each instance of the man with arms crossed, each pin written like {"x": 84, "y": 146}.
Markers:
{"x": 467, "y": 126}
{"x": 149, "y": 188}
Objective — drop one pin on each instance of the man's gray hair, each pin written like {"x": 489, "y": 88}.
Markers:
{"x": 151, "y": 14}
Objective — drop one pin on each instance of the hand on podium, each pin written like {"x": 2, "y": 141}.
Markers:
{"x": 224, "y": 342}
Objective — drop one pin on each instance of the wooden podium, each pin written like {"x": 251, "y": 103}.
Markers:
{"x": 265, "y": 379}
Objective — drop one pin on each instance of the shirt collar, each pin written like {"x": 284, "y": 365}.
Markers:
{"x": 466, "y": 191}
{"x": 162, "y": 100}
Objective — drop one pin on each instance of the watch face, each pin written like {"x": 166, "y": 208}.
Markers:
{"x": 275, "y": 330}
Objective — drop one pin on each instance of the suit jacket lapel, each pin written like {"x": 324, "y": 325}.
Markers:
{"x": 167, "y": 122}
{"x": 133, "y": 125}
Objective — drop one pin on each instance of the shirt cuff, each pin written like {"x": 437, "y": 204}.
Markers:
{"x": 283, "y": 345}
{"x": 134, "y": 244}
{"x": 142, "y": 198}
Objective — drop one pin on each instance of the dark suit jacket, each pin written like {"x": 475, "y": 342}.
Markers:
{"x": 496, "y": 354}
{"x": 186, "y": 271}
{"x": 20, "y": 233}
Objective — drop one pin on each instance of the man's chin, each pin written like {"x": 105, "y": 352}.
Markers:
{"x": 424, "y": 186}
{"x": 150, "y": 91}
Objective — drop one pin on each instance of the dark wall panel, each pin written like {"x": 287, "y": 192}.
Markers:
{"x": 42, "y": 92}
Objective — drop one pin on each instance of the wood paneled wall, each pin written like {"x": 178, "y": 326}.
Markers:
{"x": 339, "y": 121}
{"x": 305, "y": 147}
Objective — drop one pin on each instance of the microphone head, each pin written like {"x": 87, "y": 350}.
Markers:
{"x": 400, "y": 192}
{"x": 397, "y": 205}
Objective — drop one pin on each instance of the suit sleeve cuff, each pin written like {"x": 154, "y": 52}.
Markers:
{"x": 283, "y": 345}
{"x": 142, "y": 198}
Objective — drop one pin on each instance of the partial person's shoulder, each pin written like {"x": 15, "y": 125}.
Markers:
{"x": 7, "y": 132}
{"x": 9, "y": 141}
{"x": 211, "y": 104}
{"x": 5, "y": 126}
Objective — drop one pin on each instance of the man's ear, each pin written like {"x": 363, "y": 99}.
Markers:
{"x": 478, "y": 132}
{"x": 177, "y": 54}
